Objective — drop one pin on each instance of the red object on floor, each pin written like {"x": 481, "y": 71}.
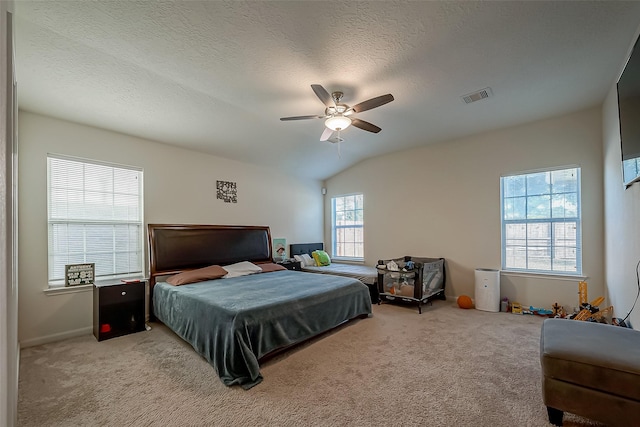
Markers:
{"x": 464, "y": 301}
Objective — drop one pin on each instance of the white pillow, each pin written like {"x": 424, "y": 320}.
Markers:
{"x": 299, "y": 259}
{"x": 243, "y": 268}
{"x": 308, "y": 261}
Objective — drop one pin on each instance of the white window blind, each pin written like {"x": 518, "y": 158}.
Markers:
{"x": 541, "y": 222}
{"x": 94, "y": 216}
{"x": 348, "y": 226}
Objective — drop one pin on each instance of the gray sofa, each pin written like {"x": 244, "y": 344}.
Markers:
{"x": 591, "y": 370}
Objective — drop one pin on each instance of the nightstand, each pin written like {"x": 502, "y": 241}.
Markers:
{"x": 291, "y": 265}
{"x": 118, "y": 309}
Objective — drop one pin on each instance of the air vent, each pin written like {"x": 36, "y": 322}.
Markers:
{"x": 477, "y": 95}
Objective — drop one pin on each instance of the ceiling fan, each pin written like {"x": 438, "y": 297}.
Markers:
{"x": 339, "y": 116}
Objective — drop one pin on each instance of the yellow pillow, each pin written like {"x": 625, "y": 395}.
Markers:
{"x": 316, "y": 258}
{"x": 322, "y": 258}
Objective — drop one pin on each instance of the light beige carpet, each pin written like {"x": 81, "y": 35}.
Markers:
{"x": 445, "y": 367}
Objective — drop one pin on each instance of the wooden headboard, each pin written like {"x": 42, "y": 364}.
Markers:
{"x": 174, "y": 248}
{"x": 304, "y": 248}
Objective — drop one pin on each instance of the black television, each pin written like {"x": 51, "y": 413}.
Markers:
{"x": 629, "y": 115}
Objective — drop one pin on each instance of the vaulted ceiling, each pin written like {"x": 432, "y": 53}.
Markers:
{"x": 217, "y": 76}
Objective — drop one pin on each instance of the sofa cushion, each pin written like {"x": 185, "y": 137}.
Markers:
{"x": 594, "y": 355}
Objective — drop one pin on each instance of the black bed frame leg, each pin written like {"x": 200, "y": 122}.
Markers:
{"x": 555, "y": 416}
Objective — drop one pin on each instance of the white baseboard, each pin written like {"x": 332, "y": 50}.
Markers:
{"x": 454, "y": 298}
{"x": 56, "y": 337}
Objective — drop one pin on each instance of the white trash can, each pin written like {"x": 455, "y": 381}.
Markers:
{"x": 487, "y": 289}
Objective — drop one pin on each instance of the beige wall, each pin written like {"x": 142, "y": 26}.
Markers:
{"x": 444, "y": 201}
{"x": 179, "y": 187}
{"x": 621, "y": 218}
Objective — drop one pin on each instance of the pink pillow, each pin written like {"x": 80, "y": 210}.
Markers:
{"x": 199, "y": 275}
{"x": 268, "y": 267}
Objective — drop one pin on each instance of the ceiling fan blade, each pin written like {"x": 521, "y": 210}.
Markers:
{"x": 372, "y": 103}
{"x": 365, "y": 125}
{"x": 326, "y": 134}
{"x": 284, "y": 119}
{"x": 324, "y": 96}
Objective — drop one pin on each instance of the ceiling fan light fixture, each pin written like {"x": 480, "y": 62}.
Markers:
{"x": 338, "y": 122}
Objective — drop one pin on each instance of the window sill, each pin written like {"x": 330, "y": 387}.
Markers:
{"x": 348, "y": 260}
{"x": 60, "y": 290}
{"x": 552, "y": 276}
{"x": 63, "y": 290}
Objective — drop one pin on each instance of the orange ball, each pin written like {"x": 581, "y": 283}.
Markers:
{"x": 464, "y": 301}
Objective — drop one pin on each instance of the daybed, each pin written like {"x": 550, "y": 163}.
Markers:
{"x": 364, "y": 273}
{"x": 236, "y": 322}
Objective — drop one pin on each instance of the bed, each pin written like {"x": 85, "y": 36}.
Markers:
{"x": 364, "y": 273}
{"x": 234, "y": 323}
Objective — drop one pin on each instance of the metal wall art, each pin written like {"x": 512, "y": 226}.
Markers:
{"x": 227, "y": 191}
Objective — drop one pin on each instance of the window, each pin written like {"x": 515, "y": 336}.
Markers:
{"x": 94, "y": 216}
{"x": 541, "y": 222}
{"x": 347, "y": 226}
{"x": 630, "y": 169}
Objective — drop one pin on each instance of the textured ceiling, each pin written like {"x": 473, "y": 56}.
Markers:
{"x": 217, "y": 76}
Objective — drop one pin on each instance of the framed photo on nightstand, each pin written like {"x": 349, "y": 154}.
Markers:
{"x": 279, "y": 249}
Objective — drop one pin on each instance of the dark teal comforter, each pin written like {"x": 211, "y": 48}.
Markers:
{"x": 234, "y": 322}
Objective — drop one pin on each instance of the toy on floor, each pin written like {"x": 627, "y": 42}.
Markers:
{"x": 603, "y": 316}
{"x": 516, "y": 308}
{"x": 582, "y": 291}
{"x": 464, "y": 301}
{"x": 558, "y": 311}
{"x": 591, "y": 311}
{"x": 540, "y": 311}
